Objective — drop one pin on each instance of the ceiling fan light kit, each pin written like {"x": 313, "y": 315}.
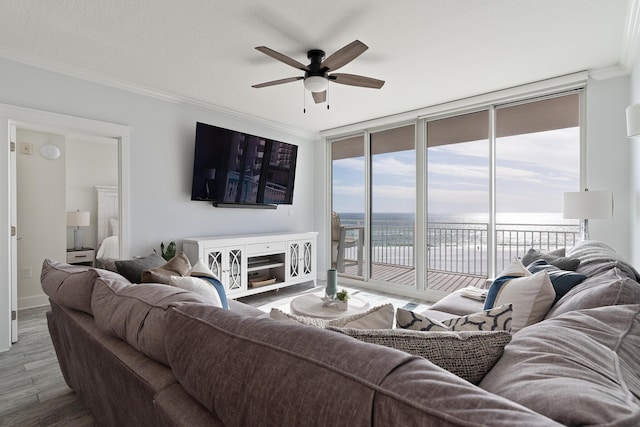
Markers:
{"x": 316, "y": 74}
{"x": 316, "y": 84}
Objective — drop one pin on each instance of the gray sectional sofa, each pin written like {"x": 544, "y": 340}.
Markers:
{"x": 153, "y": 354}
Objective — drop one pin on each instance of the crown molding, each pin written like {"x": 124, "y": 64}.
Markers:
{"x": 609, "y": 72}
{"x": 102, "y": 79}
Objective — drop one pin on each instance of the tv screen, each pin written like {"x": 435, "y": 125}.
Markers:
{"x": 237, "y": 168}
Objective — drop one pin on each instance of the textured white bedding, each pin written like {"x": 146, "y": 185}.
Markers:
{"x": 110, "y": 248}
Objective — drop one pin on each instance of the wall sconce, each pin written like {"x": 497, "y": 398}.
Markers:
{"x": 633, "y": 120}
{"x": 78, "y": 219}
{"x": 585, "y": 205}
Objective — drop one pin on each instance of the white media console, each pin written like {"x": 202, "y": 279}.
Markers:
{"x": 249, "y": 264}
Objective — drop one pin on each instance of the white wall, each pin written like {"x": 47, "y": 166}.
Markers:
{"x": 41, "y": 213}
{"x": 161, "y": 156}
{"x": 608, "y": 154}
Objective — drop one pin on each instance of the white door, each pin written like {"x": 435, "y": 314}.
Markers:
{"x": 13, "y": 251}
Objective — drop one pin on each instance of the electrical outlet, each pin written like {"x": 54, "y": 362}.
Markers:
{"x": 26, "y": 148}
{"x": 27, "y": 272}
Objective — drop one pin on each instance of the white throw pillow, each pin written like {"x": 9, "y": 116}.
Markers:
{"x": 201, "y": 269}
{"x": 516, "y": 268}
{"x": 380, "y": 317}
{"x": 531, "y": 297}
{"x": 198, "y": 286}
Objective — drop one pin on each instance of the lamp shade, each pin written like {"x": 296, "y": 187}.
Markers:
{"x": 209, "y": 173}
{"x": 588, "y": 205}
{"x": 633, "y": 120}
{"x": 78, "y": 219}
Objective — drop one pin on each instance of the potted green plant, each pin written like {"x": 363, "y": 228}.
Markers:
{"x": 342, "y": 300}
{"x": 169, "y": 252}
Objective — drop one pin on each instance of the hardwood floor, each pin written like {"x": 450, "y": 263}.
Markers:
{"x": 33, "y": 391}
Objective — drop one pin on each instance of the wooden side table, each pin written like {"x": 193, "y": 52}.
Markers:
{"x": 311, "y": 306}
{"x": 82, "y": 256}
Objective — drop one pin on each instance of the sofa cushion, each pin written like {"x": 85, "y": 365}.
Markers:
{"x": 612, "y": 287}
{"x": 468, "y": 354}
{"x": 562, "y": 280}
{"x": 380, "y": 317}
{"x": 132, "y": 268}
{"x": 494, "y": 319}
{"x": 179, "y": 265}
{"x": 530, "y": 296}
{"x": 581, "y": 368}
{"x": 71, "y": 285}
{"x": 594, "y": 257}
{"x": 556, "y": 258}
{"x": 456, "y": 305}
{"x": 292, "y": 375}
{"x": 137, "y": 313}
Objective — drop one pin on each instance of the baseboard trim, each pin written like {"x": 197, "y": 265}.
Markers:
{"x": 34, "y": 301}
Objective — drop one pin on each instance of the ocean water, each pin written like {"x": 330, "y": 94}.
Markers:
{"x": 527, "y": 218}
{"x": 459, "y": 242}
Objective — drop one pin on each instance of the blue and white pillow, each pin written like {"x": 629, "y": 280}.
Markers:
{"x": 494, "y": 319}
{"x": 531, "y": 295}
{"x": 562, "y": 280}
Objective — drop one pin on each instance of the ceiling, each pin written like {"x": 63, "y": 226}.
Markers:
{"x": 428, "y": 51}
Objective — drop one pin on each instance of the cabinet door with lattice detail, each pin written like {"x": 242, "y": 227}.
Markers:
{"x": 236, "y": 266}
{"x": 301, "y": 259}
{"x": 229, "y": 266}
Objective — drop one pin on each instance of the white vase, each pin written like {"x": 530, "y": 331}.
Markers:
{"x": 342, "y": 305}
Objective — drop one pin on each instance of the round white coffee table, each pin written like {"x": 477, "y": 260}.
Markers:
{"x": 311, "y": 305}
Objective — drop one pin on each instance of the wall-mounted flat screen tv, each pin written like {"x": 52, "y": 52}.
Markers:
{"x": 235, "y": 168}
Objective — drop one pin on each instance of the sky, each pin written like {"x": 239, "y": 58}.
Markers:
{"x": 532, "y": 172}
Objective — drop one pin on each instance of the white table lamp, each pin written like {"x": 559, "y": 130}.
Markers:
{"x": 586, "y": 205}
{"x": 78, "y": 219}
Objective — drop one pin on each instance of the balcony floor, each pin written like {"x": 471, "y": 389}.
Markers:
{"x": 437, "y": 280}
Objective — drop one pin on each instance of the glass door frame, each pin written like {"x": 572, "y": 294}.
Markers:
{"x": 489, "y": 101}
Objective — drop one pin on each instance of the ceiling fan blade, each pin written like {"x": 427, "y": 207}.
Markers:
{"x": 278, "y": 82}
{"x": 355, "y": 80}
{"x": 345, "y": 55}
{"x": 319, "y": 97}
{"x": 282, "y": 58}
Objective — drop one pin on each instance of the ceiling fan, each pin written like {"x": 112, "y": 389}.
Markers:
{"x": 316, "y": 74}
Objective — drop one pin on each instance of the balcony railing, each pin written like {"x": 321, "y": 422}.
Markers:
{"x": 462, "y": 247}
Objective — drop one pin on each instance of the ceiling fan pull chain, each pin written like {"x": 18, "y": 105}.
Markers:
{"x": 304, "y": 101}
{"x": 327, "y": 96}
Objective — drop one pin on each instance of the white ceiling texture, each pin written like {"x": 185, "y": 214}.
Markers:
{"x": 427, "y": 51}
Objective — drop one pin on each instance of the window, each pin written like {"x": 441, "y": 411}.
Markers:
{"x": 493, "y": 182}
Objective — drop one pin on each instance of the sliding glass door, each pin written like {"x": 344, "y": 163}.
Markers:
{"x": 393, "y": 205}
{"x": 348, "y": 206}
{"x": 458, "y": 196}
{"x": 488, "y": 185}
{"x": 537, "y": 160}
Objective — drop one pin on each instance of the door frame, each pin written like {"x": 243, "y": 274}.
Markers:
{"x": 12, "y": 117}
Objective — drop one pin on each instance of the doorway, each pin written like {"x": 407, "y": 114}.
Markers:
{"x": 11, "y": 119}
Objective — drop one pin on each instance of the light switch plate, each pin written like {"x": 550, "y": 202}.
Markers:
{"x": 26, "y": 148}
